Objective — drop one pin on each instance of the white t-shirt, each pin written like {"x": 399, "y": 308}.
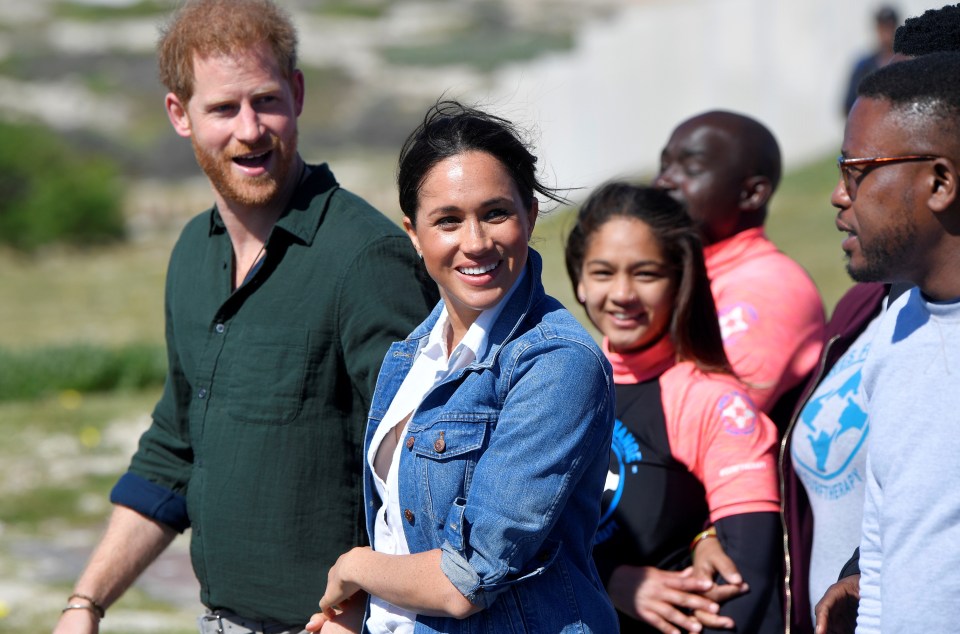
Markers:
{"x": 829, "y": 452}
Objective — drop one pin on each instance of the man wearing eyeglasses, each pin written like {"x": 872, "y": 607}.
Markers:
{"x": 898, "y": 202}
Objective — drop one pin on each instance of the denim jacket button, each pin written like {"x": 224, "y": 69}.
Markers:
{"x": 440, "y": 445}
{"x": 410, "y": 442}
{"x": 408, "y": 515}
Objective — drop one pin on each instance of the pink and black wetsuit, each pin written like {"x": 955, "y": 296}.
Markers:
{"x": 691, "y": 449}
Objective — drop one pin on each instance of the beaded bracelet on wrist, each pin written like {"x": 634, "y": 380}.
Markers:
{"x": 94, "y": 607}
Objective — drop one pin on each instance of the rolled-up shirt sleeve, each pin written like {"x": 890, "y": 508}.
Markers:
{"x": 151, "y": 500}
{"x": 549, "y": 431}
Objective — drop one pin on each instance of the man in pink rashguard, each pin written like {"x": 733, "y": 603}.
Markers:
{"x": 725, "y": 167}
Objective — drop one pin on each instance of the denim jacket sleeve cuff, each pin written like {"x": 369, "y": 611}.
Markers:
{"x": 151, "y": 500}
{"x": 463, "y": 577}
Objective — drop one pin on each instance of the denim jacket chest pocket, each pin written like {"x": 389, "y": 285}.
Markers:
{"x": 442, "y": 454}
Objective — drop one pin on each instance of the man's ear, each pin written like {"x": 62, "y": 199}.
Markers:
{"x": 943, "y": 181}
{"x": 177, "y": 113}
{"x": 297, "y": 85}
{"x": 755, "y": 194}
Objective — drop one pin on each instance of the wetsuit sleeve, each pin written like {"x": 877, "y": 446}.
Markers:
{"x": 752, "y": 541}
{"x": 715, "y": 429}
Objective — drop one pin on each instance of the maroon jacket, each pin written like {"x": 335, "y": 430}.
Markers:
{"x": 853, "y": 313}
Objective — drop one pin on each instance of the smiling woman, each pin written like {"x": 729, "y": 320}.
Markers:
{"x": 487, "y": 443}
{"x": 472, "y": 232}
{"x": 688, "y": 440}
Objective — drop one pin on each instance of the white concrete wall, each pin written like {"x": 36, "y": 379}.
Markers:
{"x": 606, "y": 108}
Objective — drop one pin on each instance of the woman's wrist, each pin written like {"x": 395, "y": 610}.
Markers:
{"x": 702, "y": 535}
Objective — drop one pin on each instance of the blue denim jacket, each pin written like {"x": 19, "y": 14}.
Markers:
{"x": 503, "y": 467}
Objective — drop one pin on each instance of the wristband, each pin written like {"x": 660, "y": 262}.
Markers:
{"x": 710, "y": 532}
{"x": 95, "y": 607}
{"x": 82, "y": 606}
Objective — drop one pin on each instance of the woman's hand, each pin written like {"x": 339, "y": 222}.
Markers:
{"x": 335, "y": 599}
{"x": 658, "y": 596}
{"x": 349, "y": 621}
{"x": 710, "y": 560}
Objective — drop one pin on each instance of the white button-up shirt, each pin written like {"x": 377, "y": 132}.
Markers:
{"x": 429, "y": 369}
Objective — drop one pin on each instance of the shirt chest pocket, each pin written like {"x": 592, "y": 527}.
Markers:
{"x": 443, "y": 460}
{"x": 260, "y": 374}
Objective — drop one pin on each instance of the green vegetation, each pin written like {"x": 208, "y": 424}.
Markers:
{"x": 49, "y": 193}
{"x": 50, "y": 503}
{"x": 368, "y": 9}
{"x": 34, "y": 373}
{"x": 111, "y": 296}
{"x": 802, "y": 224}
{"x": 98, "y": 12}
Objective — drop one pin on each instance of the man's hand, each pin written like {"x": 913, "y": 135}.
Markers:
{"x": 836, "y": 612}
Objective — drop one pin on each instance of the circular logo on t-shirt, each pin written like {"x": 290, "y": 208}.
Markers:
{"x": 833, "y": 425}
{"x": 735, "y": 320}
{"x": 737, "y": 414}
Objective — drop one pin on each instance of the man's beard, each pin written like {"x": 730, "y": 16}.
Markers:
{"x": 256, "y": 191}
{"x": 884, "y": 260}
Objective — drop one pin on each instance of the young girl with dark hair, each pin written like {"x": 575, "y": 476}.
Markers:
{"x": 692, "y": 465}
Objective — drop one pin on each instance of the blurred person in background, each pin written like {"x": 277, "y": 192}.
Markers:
{"x": 885, "y": 21}
{"x": 690, "y": 448}
{"x": 276, "y": 325}
{"x": 724, "y": 167}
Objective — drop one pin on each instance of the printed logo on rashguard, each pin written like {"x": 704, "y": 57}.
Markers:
{"x": 737, "y": 414}
{"x": 831, "y": 431}
{"x": 735, "y": 320}
{"x": 624, "y": 456}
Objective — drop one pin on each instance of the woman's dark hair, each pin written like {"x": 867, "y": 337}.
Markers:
{"x": 694, "y": 328}
{"x": 450, "y": 128}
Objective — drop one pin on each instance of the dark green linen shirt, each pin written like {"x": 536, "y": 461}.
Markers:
{"x": 260, "y": 426}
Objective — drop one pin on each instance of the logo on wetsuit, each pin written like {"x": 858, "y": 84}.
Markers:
{"x": 736, "y": 414}
{"x": 624, "y": 456}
